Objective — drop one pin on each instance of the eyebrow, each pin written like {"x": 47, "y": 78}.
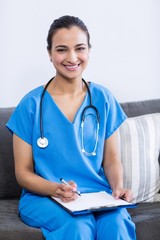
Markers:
{"x": 64, "y": 46}
{"x": 61, "y": 46}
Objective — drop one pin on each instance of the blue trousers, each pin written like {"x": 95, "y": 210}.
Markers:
{"x": 57, "y": 224}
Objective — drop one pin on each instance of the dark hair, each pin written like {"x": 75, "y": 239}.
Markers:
{"x": 66, "y": 22}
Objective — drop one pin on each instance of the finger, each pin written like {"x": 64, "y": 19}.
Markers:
{"x": 69, "y": 199}
{"x": 66, "y": 192}
{"x": 117, "y": 193}
{"x": 128, "y": 196}
{"x": 73, "y": 185}
{"x": 66, "y": 188}
{"x": 62, "y": 190}
{"x": 68, "y": 196}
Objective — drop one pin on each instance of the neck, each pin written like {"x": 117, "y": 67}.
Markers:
{"x": 65, "y": 86}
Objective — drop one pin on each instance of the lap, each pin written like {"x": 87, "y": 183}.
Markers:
{"x": 45, "y": 210}
{"x": 44, "y": 213}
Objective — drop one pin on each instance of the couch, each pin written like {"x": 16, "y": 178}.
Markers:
{"x": 146, "y": 215}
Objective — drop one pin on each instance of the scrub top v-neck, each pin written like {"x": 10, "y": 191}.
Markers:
{"x": 63, "y": 157}
{"x": 82, "y": 105}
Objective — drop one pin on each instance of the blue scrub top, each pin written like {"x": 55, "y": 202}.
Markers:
{"x": 63, "y": 157}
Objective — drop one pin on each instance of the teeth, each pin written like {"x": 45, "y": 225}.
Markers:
{"x": 71, "y": 67}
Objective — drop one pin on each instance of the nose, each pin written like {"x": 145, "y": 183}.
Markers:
{"x": 72, "y": 57}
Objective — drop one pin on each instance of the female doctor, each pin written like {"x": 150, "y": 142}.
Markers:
{"x": 67, "y": 129}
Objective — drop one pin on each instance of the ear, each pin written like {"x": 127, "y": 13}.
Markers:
{"x": 49, "y": 53}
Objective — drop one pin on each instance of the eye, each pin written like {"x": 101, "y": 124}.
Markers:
{"x": 81, "y": 49}
{"x": 61, "y": 50}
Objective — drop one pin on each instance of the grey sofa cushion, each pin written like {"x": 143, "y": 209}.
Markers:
{"x": 10, "y": 225}
{"x": 8, "y": 185}
{"x": 147, "y": 219}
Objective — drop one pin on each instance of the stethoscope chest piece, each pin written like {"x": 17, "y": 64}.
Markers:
{"x": 42, "y": 142}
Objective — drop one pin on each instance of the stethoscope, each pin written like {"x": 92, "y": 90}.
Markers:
{"x": 43, "y": 142}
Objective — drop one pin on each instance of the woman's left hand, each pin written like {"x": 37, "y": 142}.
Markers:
{"x": 122, "y": 193}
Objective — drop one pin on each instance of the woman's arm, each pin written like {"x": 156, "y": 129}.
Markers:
{"x": 113, "y": 168}
{"x": 24, "y": 171}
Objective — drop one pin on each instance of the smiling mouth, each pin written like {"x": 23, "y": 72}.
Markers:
{"x": 72, "y": 67}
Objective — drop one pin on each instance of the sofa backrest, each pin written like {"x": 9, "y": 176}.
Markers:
{"x": 8, "y": 185}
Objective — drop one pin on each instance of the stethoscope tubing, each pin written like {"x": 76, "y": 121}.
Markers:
{"x": 41, "y": 108}
{"x": 42, "y": 142}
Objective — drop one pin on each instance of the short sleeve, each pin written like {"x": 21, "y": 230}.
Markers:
{"x": 115, "y": 116}
{"x": 21, "y": 121}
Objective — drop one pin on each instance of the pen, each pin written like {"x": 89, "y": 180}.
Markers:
{"x": 66, "y": 183}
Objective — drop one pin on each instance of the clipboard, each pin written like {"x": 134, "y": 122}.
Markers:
{"x": 91, "y": 202}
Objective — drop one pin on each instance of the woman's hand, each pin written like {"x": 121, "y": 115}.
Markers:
{"x": 122, "y": 193}
{"x": 67, "y": 193}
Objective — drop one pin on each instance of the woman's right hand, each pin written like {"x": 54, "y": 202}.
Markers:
{"x": 66, "y": 192}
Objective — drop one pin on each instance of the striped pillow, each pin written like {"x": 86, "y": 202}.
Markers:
{"x": 139, "y": 145}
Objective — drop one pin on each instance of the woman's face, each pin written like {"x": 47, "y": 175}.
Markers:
{"x": 70, "y": 52}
